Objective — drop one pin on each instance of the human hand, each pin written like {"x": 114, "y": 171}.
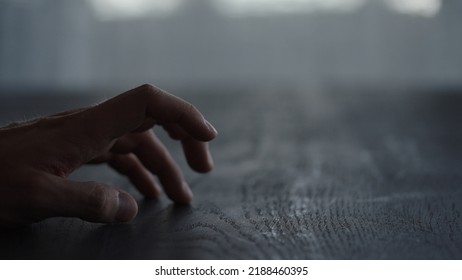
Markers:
{"x": 37, "y": 156}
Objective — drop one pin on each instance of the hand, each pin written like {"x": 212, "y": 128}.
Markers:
{"x": 37, "y": 156}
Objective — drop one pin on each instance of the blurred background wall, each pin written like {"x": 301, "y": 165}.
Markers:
{"x": 72, "y": 44}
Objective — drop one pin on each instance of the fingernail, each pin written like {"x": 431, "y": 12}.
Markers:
{"x": 127, "y": 208}
{"x": 187, "y": 190}
{"x": 210, "y": 126}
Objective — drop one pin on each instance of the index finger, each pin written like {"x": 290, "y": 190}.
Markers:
{"x": 130, "y": 110}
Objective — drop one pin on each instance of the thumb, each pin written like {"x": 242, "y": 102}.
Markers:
{"x": 92, "y": 201}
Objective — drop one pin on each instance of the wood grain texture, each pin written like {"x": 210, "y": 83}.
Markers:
{"x": 332, "y": 173}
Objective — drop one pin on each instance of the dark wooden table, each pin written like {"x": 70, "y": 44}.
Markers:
{"x": 331, "y": 173}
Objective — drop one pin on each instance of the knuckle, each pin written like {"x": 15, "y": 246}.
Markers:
{"x": 147, "y": 87}
{"x": 148, "y": 90}
{"x": 127, "y": 165}
{"x": 99, "y": 201}
{"x": 131, "y": 166}
{"x": 187, "y": 112}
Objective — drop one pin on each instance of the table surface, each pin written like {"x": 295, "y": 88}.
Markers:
{"x": 300, "y": 174}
